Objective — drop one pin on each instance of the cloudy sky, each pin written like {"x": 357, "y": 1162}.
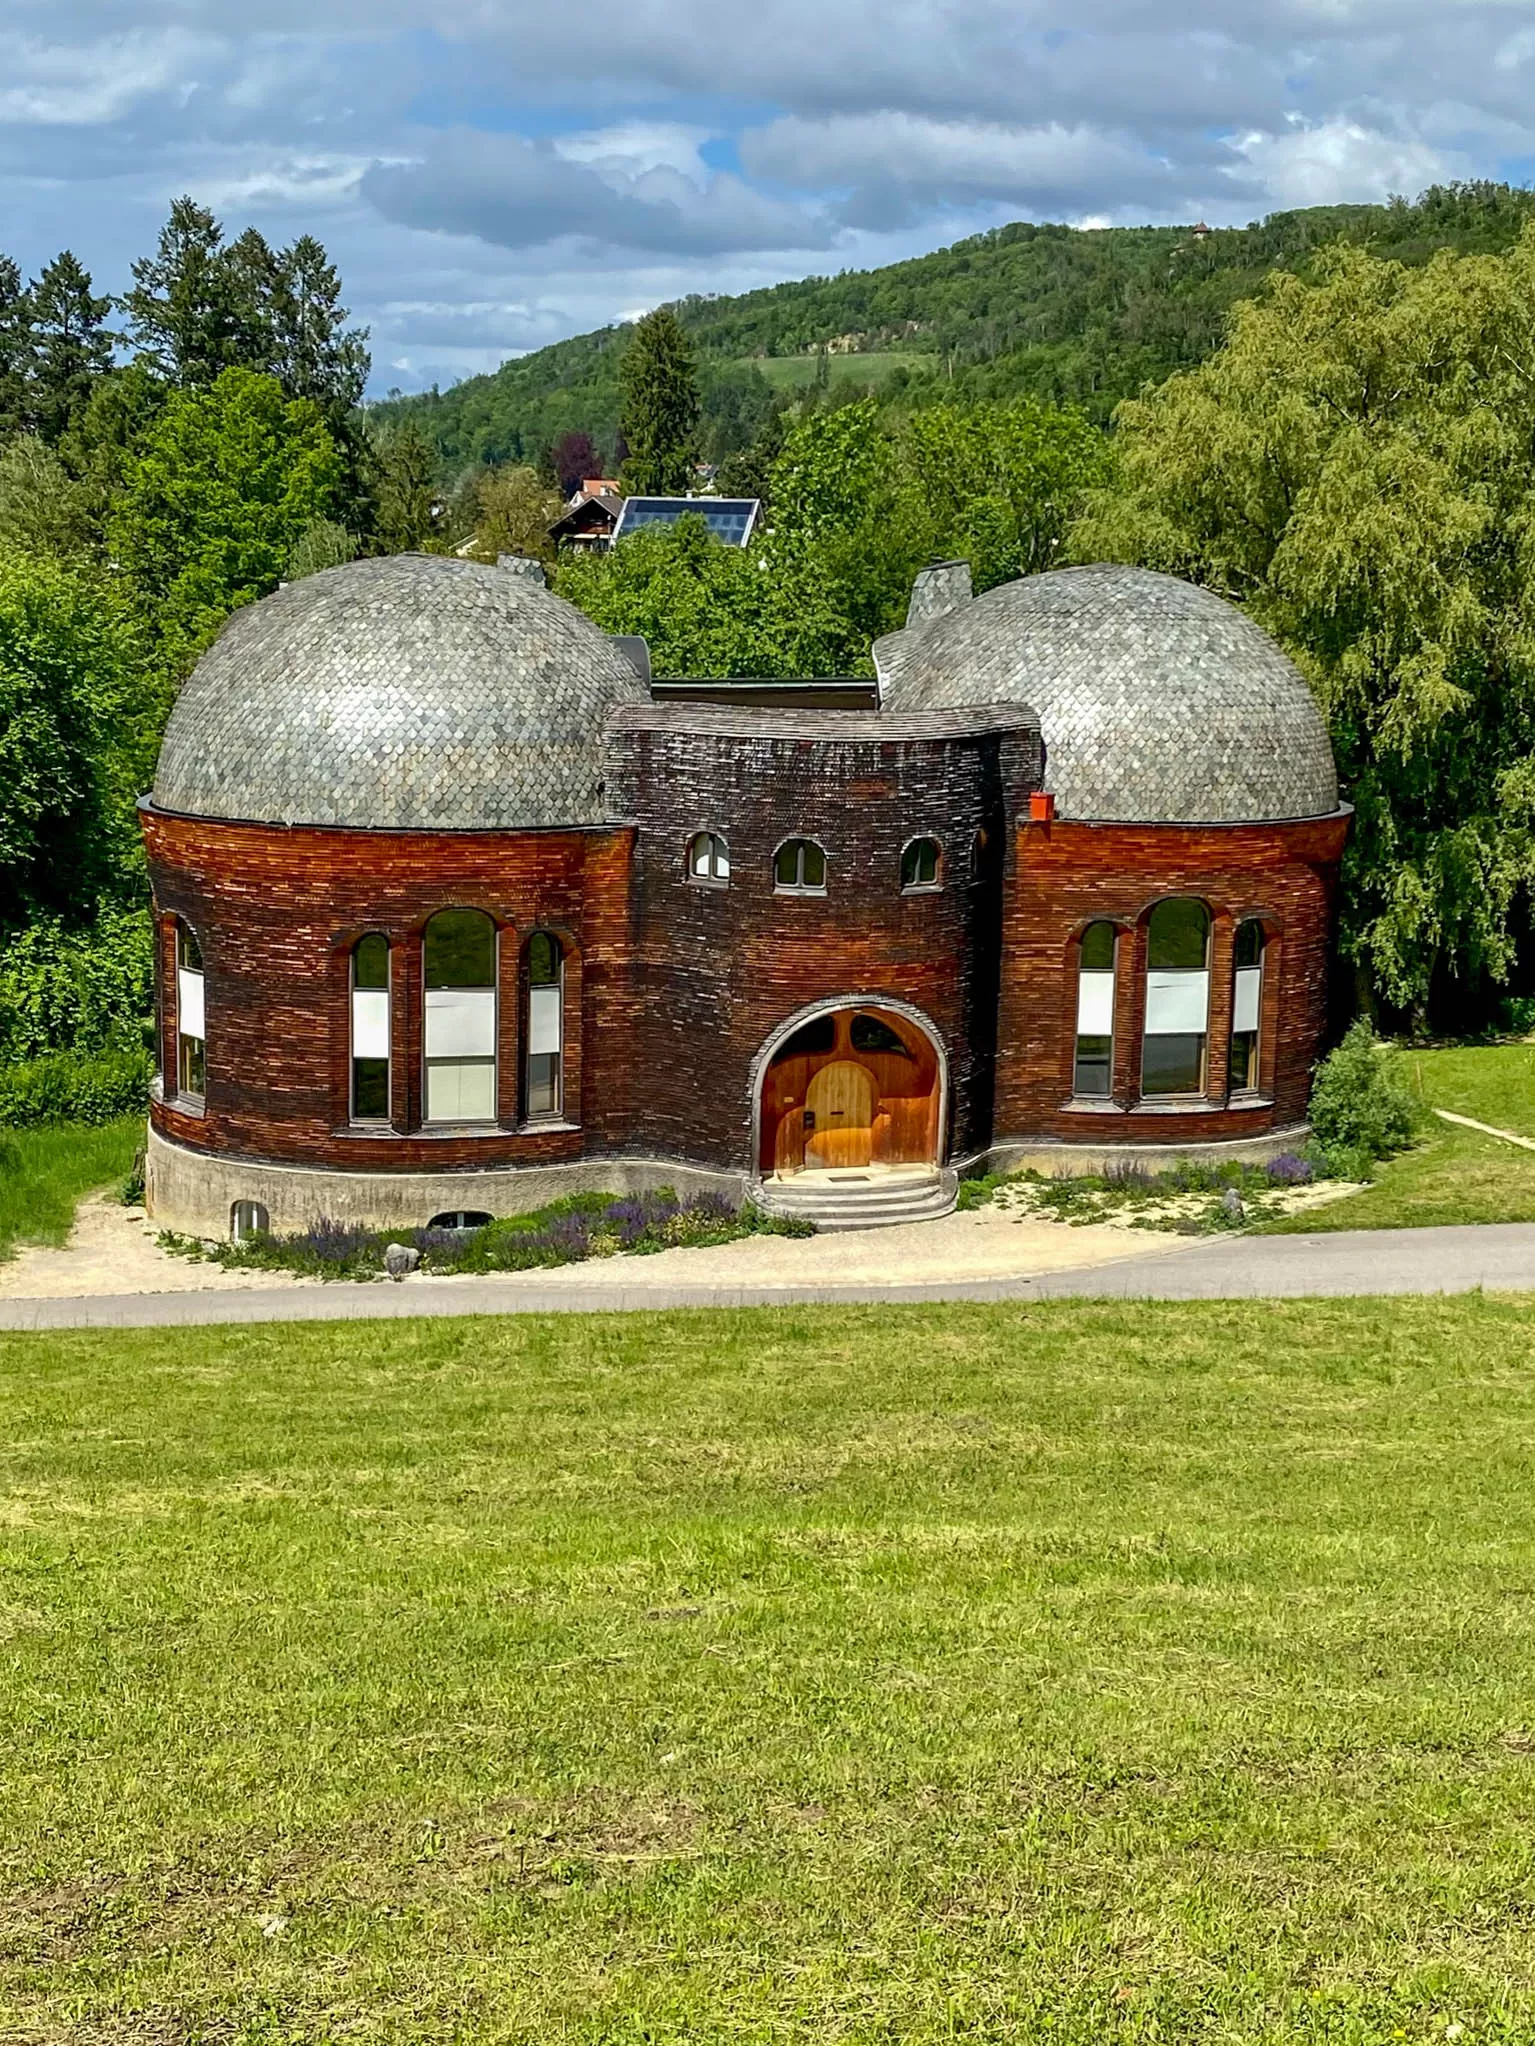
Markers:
{"x": 494, "y": 174}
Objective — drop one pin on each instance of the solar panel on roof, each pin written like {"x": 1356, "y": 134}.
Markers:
{"x": 729, "y": 519}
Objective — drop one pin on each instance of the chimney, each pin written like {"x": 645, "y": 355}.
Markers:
{"x": 943, "y": 587}
{"x": 523, "y": 564}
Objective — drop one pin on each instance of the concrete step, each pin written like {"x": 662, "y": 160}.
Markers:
{"x": 860, "y": 1204}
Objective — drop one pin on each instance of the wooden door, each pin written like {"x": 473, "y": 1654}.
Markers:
{"x": 841, "y": 1100}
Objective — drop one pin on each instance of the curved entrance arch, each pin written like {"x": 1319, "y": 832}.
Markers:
{"x": 848, "y": 1082}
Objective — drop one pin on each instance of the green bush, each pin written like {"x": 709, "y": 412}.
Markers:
{"x": 1361, "y": 1105}
{"x": 89, "y": 989}
{"x": 68, "y": 1088}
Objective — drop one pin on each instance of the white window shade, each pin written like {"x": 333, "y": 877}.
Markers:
{"x": 1177, "y": 1003}
{"x": 370, "y": 1023}
{"x": 1095, "y": 1005}
{"x": 543, "y": 1020}
{"x": 460, "y": 1023}
{"x": 189, "y": 1002}
{"x": 461, "y": 1093}
{"x": 1244, "y": 1015}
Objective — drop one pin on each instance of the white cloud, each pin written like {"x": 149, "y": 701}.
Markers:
{"x": 1342, "y": 160}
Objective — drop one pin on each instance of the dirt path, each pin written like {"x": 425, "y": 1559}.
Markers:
{"x": 112, "y": 1249}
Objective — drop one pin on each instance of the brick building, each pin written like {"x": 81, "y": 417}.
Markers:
{"x": 459, "y": 911}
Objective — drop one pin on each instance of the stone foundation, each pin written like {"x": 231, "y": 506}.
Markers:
{"x": 194, "y": 1192}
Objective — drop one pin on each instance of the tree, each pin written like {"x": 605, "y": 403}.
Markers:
{"x": 316, "y": 355}
{"x": 709, "y": 610}
{"x": 69, "y": 347}
{"x": 572, "y": 460}
{"x": 72, "y": 725}
{"x": 106, "y": 436}
{"x": 15, "y": 347}
{"x": 1353, "y": 465}
{"x": 516, "y": 511}
{"x": 185, "y": 308}
{"x": 995, "y": 485}
{"x": 410, "y": 507}
{"x": 659, "y": 380}
{"x": 43, "y": 510}
{"x": 225, "y": 483}
{"x": 325, "y": 544}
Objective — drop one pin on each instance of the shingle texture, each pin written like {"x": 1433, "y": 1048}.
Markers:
{"x": 413, "y": 692}
{"x": 1158, "y": 702}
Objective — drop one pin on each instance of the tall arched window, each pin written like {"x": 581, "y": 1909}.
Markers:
{"x": 370, "y": 1028}
{"x": 1094, "y": 1070}
{"x": 191, "y": 1027}
{"x": 1247, "y": 1007}
{"x": 545, "y": 1035}
{"x": 708, "y": 858}
{"x": 1177, "y": 998}
{"x": 459, "y": 960}
{"x": 799, "y": 868}
{"x": 919, "y": 866}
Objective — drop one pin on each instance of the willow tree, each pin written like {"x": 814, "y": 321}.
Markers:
{"x": 1356, "y": 466}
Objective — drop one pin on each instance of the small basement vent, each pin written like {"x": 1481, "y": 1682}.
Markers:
{"x": 247, "y": 1219}
{"x": 461, "y": 1219}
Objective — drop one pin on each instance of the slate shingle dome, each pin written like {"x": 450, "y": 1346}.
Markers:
{"x": 410, "y": 692}
{"x": 1158, "y": 701}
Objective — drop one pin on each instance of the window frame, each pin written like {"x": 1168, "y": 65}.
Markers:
{"x": 1200, "y": 1090}
{"x": 1105, "y": 1094}
{"x": 188, "y": 1062}
{"x": 914, "y": 845}
{"x": 355, "y": 1058}
{"x": 719, "y": 846}
{"x": 1253, "y": 1084}
{"x": 800, "y": 841}
{"x": 478, "y": 1060}
{"x": 555, "y": 1114}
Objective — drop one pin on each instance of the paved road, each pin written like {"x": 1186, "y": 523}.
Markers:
{"x": 1496, "y": 1256}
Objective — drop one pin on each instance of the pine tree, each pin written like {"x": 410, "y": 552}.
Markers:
{"x": 185, "y": 306}
{"x": 15, "y": 331}
{"x": 659, "y": 377}
{"x": 405, "y": 490}
{"x": 318, "y": 356}
{"x": 69, "y": 347}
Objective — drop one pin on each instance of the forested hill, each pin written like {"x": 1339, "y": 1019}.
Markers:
{"x": 1066, "y": 314}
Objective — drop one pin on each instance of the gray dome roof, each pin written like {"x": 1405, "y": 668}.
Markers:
{"x": 414, "y": 691}
{"x": 1158, "y": 701}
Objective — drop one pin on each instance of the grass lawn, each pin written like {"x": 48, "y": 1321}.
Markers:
{"x": 797, "y": 372}
{"x": 1451, "y": 1175}
{"x": 1077, "y": 1673}
{"x": 44, "y": 1172}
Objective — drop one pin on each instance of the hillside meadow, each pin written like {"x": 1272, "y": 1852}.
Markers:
{"x": 1081, "y": 1673}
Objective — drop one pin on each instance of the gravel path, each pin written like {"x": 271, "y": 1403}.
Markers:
{"x": 1500, "y": 1257}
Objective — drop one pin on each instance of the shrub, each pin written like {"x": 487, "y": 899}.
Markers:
{"x": 89, "y": 989}
{"x": 68, "y": 1088}
{"x": 1360, "y": 1102}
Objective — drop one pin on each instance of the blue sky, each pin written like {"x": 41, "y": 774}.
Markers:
{"x": 494, "y": 176}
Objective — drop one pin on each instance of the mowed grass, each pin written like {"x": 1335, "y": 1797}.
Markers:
{"x": 798, "y": 372}
{"x": 1451, "y": 1175}
{"x": 1078, "y": 1673}
{"x": 44, "y": 1172}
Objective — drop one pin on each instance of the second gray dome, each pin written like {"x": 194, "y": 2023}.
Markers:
{"x": 413, "y": 692}
{"x": 1158, "y": 701}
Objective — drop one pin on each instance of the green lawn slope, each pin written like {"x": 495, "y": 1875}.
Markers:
{"x": 1085, "y": 1674}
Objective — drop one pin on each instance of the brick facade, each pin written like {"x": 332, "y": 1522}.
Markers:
{"x": 674, "y": 987}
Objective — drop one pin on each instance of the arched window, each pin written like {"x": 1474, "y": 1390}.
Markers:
{"x": 1247, "y": 1007}
{"x": 708, "y": 858}
{"x": 191, "y": 1027}
{"x": 1093, "y": 1074}
{"x": 919, "y": 866}
{"x": 799, "y": 868}
{"x": 1177, "y": 998}
{"x": 544, "y": 1037}
{"x": 248, "y": 1219}
{"x": 459, "y": 961}
{"x": 370, "y": 1028}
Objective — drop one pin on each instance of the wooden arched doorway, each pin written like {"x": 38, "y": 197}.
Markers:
{"x": 855, "y": 1086}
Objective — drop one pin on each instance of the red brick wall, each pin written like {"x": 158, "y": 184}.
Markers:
{"x": 277, "y": 912}
{"x": 1063, "y": 876}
